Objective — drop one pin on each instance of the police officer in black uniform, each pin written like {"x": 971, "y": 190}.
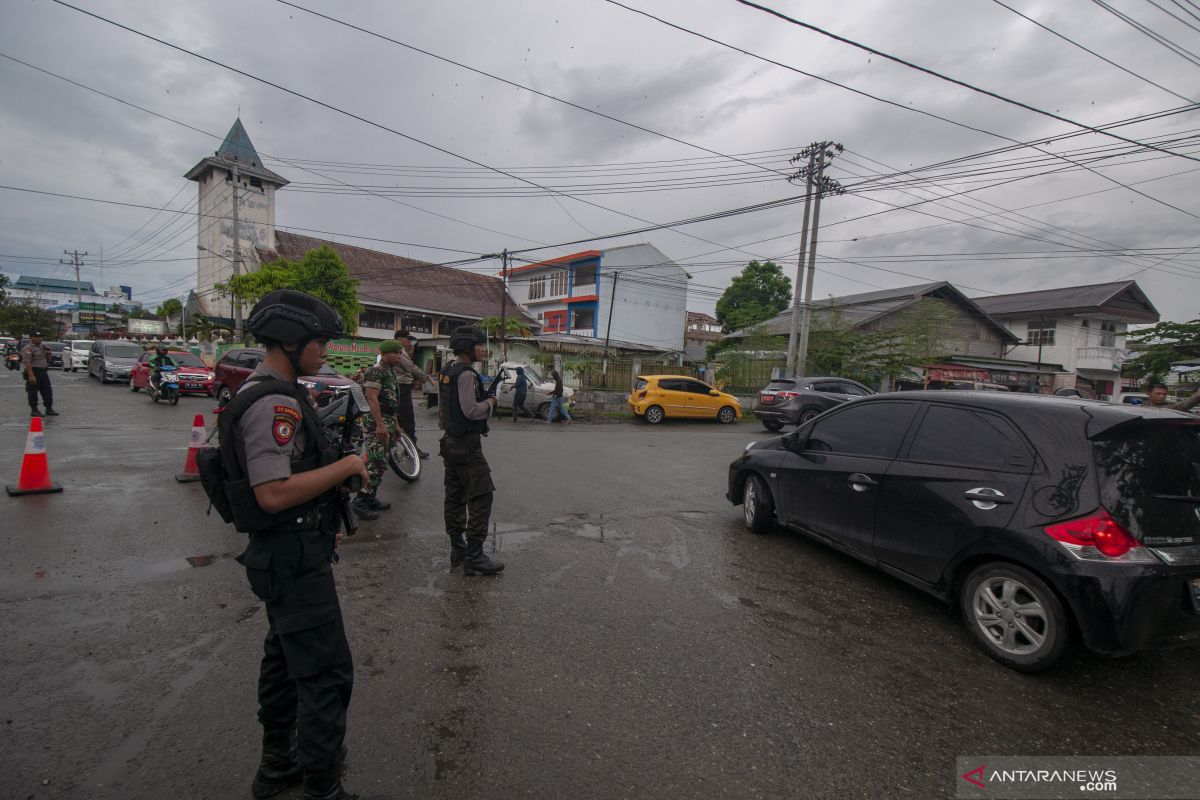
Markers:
{"x": 283, "y": 478}
{"x": 463, "y": 411}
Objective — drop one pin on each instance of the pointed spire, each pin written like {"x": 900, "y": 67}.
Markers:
{"x": 238, "y": 147}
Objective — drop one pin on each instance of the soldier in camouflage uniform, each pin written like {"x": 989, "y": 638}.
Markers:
{"x": 379, "y": 427}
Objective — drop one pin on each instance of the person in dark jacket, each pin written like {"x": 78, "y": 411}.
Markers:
{"x": 520, "y": 393}
{"x": 557, "y": 407}
{"x": 463, "y": 410}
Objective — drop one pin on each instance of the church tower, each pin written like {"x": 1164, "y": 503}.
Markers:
{"x": 234, "y": 171}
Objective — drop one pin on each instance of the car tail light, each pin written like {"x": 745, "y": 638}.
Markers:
{"x": 1099, "y": 537}
{"x": 787, "y": 395}
{"x": 642, "y": 395}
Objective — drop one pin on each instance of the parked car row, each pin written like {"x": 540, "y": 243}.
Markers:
{"x": 1042, "y": 518}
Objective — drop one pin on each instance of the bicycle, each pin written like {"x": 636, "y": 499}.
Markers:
{"x": 404, "y": 458}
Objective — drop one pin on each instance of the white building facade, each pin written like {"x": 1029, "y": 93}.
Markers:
{"x": 1081, "y": 328}
{"x": 631, "y": 294}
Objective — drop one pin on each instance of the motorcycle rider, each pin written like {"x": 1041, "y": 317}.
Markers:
{"x": 284, "y": 497}
{"x": 463, "y": 411}
{"x": 157, "y": 362}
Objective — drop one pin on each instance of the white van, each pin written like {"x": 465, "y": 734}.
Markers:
{"x": 537, "y": 399}
{"x": 75, "y": 354}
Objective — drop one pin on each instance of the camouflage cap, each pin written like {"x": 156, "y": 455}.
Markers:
{"x": 391, "y": 346}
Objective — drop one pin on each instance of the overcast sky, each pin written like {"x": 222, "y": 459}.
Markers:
{"x": 60, "y": 138}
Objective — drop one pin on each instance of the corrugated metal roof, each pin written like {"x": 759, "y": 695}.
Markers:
{"x": 1070, "y": 299}
{"x": 34, "y": 283}
{"x": 394, "y": 280}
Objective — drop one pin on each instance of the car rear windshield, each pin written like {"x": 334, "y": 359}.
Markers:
{"x": 1150, "y": 480}
{"x": 186, "y": 360}
{"x": 780, "y": 385}
{"x": 56, "y": 347}
{"x": 122, "y": 351}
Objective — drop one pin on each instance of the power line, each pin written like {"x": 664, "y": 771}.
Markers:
{"x": 1145, "y": 30}
{"x": 949, "y": 79}
{"x": 1092, "y": 52}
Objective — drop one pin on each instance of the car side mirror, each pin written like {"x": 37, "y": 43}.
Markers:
{"x": 713, "y": 393}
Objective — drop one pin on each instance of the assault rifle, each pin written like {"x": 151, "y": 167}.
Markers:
{"x": 340, "y": 421}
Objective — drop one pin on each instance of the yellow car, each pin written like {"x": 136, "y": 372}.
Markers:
{"x": 657, "y": 397}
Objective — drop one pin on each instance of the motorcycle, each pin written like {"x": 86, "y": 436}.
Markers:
{"x": 168, "y": 385}
{"x": 12, "y": 360}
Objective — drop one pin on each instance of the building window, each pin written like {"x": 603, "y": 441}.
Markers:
{"x": 446, "y": 325}
{"x": 1041, "y": 332}
{"x": 584, "y": 318}
{"x": 376, "y": 318}
{"x": 558, "y": 283}
{"x": 417, "y": 324}
{"x": 585, "y": 277}
{"x": 1108, "y": 334}
{"x": 537, "y": 287}
{"x": 556, "y": 322}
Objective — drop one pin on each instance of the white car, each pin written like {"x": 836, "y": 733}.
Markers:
{"x": 75, "y": 354}
{"x": 537, "y": 400}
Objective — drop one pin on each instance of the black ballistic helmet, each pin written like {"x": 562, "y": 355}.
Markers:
{"x": 287, "y": 316}
{"x": 464, "y": 339}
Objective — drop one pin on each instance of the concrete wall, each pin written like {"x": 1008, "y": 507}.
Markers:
{"x": 650, "y": 298}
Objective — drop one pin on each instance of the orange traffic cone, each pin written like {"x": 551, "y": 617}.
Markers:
{"x": 35, "y": 470}
{"x": 195, "y": 442}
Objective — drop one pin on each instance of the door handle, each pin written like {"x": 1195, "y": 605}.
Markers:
{"x": 986, "y": 498}
{"x": 860, "y": 483}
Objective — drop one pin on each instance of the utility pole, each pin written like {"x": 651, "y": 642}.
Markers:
{"x": 236, "y": 307}
{"x": 76, "y": 261}
{"x": 792, "y": 339}
{"x": 612, "y": 302}
{"x": 819, "y": 153}
{"x": 504, "y": 305}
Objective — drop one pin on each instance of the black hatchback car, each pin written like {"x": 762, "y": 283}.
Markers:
{"x": 1039, "y": 516}
{"x": 788, "y": 401}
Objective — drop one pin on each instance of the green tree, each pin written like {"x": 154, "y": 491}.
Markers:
{"x": 1161, "y": 346}
{"x": 21, "y": 318}
{"x": 513, "y": 326}
{"x": 760, "y": 292}
{"x": 321, "y": 273}
{"x": 169, "y": 308}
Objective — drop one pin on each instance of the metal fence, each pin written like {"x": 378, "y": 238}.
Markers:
{"x": 745, "y": 377}
{"x": 621, "y": 374}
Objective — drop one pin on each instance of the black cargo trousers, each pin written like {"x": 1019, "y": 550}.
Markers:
{"x": 404, "y": 410}
{"x": 469, "y": 487}
{"x": 40, "y": 384}
{"x": 307, "y": 672}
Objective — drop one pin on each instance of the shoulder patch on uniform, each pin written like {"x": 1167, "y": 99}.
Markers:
{"x": 283, "y": 428}
{"x": 288, "y": 411}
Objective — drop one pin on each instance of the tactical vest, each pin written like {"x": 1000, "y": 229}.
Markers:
{"x": 248, "y": 515}
{"x": 450, "y": 414}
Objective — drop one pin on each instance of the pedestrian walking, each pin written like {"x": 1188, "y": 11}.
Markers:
{"x": 1158, "y": 399}
{"x": 282, "y": 485}
{"x": 557, "y": 407}
{"x": 36, "y": 358}
{"x": 408, "y": 373}
{"x": 520, "y": 393}
{"x": 379, "y": 427}
{"x": 463, "y": 410}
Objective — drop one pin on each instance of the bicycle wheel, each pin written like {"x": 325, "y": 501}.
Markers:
{"x": 404, "y": 458}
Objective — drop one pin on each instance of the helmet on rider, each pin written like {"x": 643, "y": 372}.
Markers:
{"x": 160, "y": 348}
{"x": 464, "y": 339}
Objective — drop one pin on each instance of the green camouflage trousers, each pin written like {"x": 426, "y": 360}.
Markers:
{"x": 377, "y": 450}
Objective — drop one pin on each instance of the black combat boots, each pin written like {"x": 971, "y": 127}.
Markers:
{"x": 325, "y": 785}
{"x": 458, "y": 549}
{"x": 279, "y": 768}
{"x": 477, "y": 562}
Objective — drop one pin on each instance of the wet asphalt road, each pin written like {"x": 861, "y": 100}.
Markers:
{"x": 640, "y": 644}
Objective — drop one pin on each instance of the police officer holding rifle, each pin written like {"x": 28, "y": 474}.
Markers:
{"x": 286, "y": 495}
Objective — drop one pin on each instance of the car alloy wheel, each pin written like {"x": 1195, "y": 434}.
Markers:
{"x": 224, "y": 395}
{"x": 772, "y": 425}
{"x": 726, "y": 415}
{"x": 1015, "y": 616}
{"x": 807, "y": 415}
{"x": 654, "y": 415}
{"x": 758, "y": 509}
